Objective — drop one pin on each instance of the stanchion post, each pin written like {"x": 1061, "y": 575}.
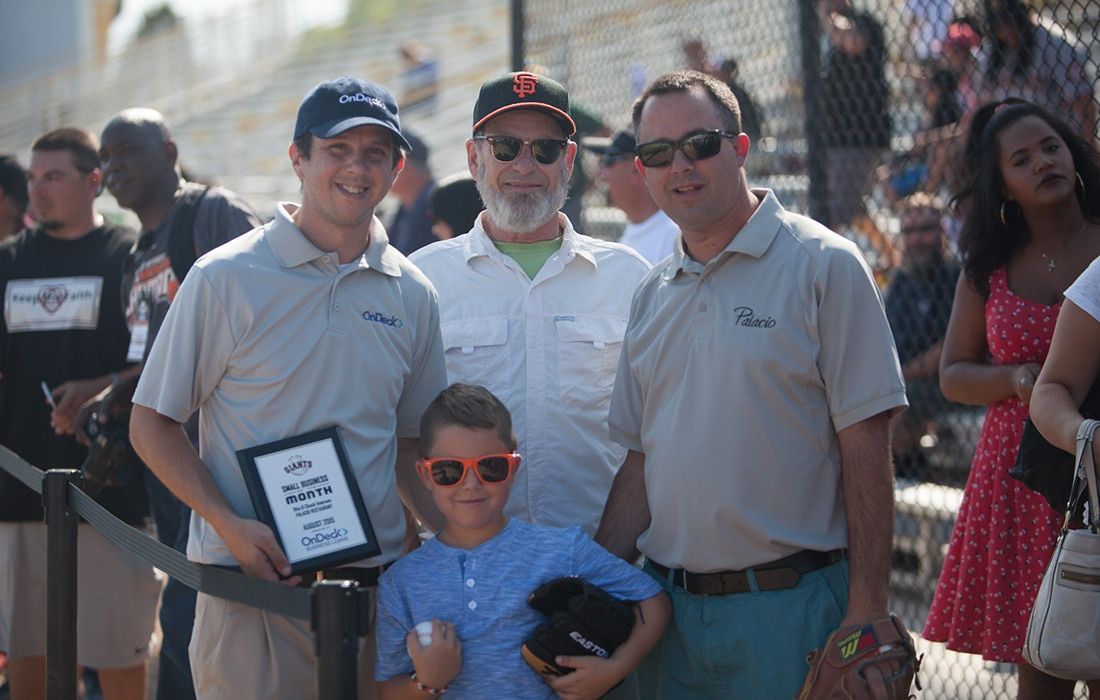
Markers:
{"x": 61, "y": 581}
{"x": 335, "y": 624}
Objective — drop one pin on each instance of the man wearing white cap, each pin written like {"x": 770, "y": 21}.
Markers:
{"x": 311, "y": 321}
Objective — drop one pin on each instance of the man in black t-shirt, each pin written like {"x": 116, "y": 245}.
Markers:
{"x": 180, "y": 221}
{"x": 64, "y": 334}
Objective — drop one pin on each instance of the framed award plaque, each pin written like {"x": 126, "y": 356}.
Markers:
{"x": 303, "y": 488}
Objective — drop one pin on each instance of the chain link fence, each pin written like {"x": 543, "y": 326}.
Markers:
{"x": 856, "y": 107}
{"x": 849, "y": 142}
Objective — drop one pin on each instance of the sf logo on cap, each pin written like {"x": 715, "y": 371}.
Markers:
{"x": 525, "y": 84}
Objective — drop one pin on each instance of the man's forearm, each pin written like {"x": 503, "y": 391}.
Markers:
{"x": 164, "y": 447}
{"x": 867, "y": 486}
{"x": 626, "y": 514}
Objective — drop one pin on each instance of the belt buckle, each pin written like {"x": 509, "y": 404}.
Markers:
{"x": 684, "y": 580}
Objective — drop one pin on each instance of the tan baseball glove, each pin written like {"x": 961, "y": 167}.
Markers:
{"x": 876, "y": 661}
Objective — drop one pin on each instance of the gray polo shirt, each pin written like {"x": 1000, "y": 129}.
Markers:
{"x": 735, "y": 377}
{"x": 269, "y": 338}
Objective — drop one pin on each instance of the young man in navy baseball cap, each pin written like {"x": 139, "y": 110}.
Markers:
{"x": 265, "y": 337}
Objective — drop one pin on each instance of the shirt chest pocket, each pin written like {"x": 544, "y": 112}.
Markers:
{"x": 588, "y": 355}
{"x": 476, "y": 352}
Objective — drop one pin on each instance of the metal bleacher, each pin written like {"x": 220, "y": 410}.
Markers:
{"x": 230, "y": 85}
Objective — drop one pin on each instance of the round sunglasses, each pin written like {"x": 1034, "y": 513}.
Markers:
{"x": 507, "y": 148}
{"x": 697, "y": 145}
{"x": 451, "y": 471}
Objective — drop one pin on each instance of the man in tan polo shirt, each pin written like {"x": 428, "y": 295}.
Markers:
{"x": 754, "y": 391}
{"x": 312, "y": 320}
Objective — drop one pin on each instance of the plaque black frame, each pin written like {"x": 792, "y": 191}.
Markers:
{"x": 256, "y": 492}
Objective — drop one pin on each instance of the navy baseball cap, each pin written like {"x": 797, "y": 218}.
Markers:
{"x": 523, "y": 90}
{"x": 337, "y": 105}
{"x": 620, "y": 145}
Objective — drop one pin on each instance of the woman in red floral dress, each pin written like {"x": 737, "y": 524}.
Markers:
{"x": 1033, "y": 188}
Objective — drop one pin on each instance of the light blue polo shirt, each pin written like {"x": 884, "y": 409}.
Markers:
{"x": 484, "y": 592}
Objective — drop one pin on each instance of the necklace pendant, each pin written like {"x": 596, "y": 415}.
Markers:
{"x": 1050, "y": 265}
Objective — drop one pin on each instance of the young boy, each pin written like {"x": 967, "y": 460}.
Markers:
{"x": 473, "y": 580}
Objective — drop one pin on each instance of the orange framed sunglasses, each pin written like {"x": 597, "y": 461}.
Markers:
{"x": 451, "y": 471}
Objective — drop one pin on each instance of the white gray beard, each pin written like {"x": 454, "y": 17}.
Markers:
{"x": 520, "y": 212}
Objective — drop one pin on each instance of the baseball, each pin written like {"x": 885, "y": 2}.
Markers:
{"x": 424, "y": 632}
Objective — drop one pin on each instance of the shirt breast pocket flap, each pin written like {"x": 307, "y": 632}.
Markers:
{"x": 599, "y": 333}
{"x": 467, "y": 336}
{"x": 588, "y": 355}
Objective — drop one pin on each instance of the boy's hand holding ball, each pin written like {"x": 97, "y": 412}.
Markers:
{"x": 435, "y": 651}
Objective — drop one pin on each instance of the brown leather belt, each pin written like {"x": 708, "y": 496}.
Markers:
{"x": 771, "y": 576}
{"x": 366, "y": 576}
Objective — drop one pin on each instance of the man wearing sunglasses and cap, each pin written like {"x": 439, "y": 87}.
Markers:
{"x": 757, "y": 378}
{"x": 310, "y": 321}
{"x": 533, "y": 310}
{"x": 648, "y": 229}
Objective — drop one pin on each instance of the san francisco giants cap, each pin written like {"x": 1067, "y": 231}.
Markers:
{"x": 523, "y": 90}
{"x": 336, "y": 106}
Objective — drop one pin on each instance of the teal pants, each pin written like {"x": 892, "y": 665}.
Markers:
{"x": 744, "y": 646}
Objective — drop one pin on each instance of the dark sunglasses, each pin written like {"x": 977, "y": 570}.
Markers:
{"x": 697, "y": 145}
{"x": 506, "y": 148}
{"x": 490, "y": 469}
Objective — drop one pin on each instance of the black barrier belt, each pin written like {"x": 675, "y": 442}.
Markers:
{"x": 15, "y": 465}
{"x": 212, "y": 580}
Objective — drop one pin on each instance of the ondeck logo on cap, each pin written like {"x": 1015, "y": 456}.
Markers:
{"x": 360, "y": 97}
{"x": 525, "y": 84}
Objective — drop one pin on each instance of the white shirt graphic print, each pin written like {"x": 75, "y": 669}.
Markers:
{"x": 52, "y": 304}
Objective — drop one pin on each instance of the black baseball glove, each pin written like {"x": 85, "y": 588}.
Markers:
{"x": 584, "y": 621}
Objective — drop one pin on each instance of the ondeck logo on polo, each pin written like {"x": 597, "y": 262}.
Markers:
{"x": 377, "y": 317}
{"x": 360, "y": 97}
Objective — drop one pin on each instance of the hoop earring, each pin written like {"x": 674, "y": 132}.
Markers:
{"x": 1004, "y": 221}
{"x": 1080, "y": 182}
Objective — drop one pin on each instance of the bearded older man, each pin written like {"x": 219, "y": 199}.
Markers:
{"x": 533, "y": 310}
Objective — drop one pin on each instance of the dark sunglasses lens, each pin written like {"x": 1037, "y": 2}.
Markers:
{"x": 493, "y": 469}
{"x": 505, "y": 148}
{"x": 447, "y": 472}
{"x": 546, "y": 151}
{"x": 701, "y": 146}
{"x": 656, "y": 154}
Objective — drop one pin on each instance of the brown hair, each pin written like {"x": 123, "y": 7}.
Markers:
{"x": 81, "y": 143}
{"x": 467, "y": 406}
{"x": 729, "y": 111}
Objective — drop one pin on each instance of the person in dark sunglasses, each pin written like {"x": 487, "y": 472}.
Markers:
{"x": 471, "y": 582}
{"x": 760, "y": 347}
{"x": 532, "y": 309}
